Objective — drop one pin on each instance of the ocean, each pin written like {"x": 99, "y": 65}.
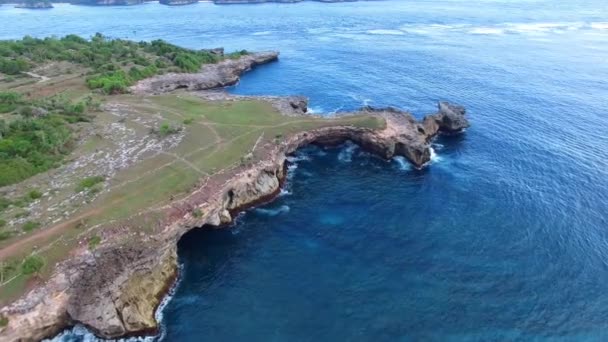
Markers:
{"x": 503, "y": 237}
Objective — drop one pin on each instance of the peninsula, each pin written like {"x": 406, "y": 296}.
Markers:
{"x": 112, "y": 150}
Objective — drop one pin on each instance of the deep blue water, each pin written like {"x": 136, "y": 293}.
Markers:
{"x": 503, "y": 237}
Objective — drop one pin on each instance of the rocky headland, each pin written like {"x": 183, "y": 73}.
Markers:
{"x": 115, "y": 289}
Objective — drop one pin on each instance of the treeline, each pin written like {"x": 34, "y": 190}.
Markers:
{"x": 115, "y": 63}
{"x": 40, "y": 135}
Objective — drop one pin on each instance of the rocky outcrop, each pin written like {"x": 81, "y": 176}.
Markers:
{"x": 450, "y": 119}
{"x": 211, "y": 76}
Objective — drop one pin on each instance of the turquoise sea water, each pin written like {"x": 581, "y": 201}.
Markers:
{"x": 504, "y": 237}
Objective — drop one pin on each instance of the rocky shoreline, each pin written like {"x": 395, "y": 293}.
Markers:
{"x": 116, "y": 289}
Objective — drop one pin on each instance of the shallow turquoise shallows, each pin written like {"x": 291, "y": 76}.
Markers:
{"x": 504, "y": 237}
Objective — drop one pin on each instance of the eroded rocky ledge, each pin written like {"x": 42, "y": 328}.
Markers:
{"x": 116, "y": 289}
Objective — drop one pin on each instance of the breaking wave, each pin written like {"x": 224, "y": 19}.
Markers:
{"x": 402, "y": 163}
{"x": 273, "y": 212}
{"x": 346, "y": 154}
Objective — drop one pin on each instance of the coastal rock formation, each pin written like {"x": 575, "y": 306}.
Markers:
{"x": 222, "y": 74}
{"x": 450, "y": 119}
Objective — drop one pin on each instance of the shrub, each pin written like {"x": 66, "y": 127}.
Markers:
{"x": 13, "y": 66}
{"x": 3, "y": 321}
{"x": 166, "y": 129}
{"x": 197, "y": 213}
{"x": 32, "y": 264}
{"x": 2, "y": 223}
{"x": 4, "y": 235}
{"x": 89, "y": 182}
{"x": 30, "y": 225}
{"x": 94, "y": 241}
{"x": 114, "y": 82}
{"x": 34, "y": 194}
{"x": 188, "y": 121}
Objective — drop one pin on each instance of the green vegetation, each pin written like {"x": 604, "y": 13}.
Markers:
{"x": 3, "y": 321}
{"x": 32, "y": 264}
{"x": 94, "y": 241}
{"x": 5, "y": 235}
{"x": 115, "y": 64}
{"x": 198, "y": 213}
{"x": 166, "y": 129}
{"x": 89, "y": 183}
{"x": 30, "y": 225}
{"x": 34, "y": 194}
{"x": 40, "y": 136}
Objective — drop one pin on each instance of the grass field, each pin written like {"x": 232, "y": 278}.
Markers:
{"x": 137, "y": 154}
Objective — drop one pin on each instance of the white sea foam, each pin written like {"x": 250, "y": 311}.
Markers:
{"x": 487, "y": 30}
{"x": 435, "y": 158}
{"x": 346, "y": 154}
{"x": 599, "y": 26}
{"x": 316, "y": 110}
{"x": 383, "y": 32}
{"x": 402, "y": 163}
{"x": 533, "y": 29}
{"x": 261, "y": 33}
{"x": 297, "y": 158}
{"x": 273, "y": 212}
{"x": 438, "y": 146}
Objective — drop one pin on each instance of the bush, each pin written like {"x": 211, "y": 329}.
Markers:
{"x": 30, "y": 225}
{"x": 188, "y": 121}
{"x": 115, "y": 82}
{"x": 2, "y": 223}
{"x": 32, "y": 265}
{"x": 94, "y": 241}
{"x": 166, "y": 129}
{"x": 34, "y": 194}
{"x": 5, "y": 235}
{"x": 13, "y": 66}
{"x": 197, "y": 213}
{"x": 3, "y": 321}
{"x": 89, "y": 182}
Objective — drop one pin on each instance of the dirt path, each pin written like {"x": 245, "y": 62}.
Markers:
{"x": 41, "y": 77}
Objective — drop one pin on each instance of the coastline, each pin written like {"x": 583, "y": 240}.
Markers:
{"x": 116, "y": 290}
